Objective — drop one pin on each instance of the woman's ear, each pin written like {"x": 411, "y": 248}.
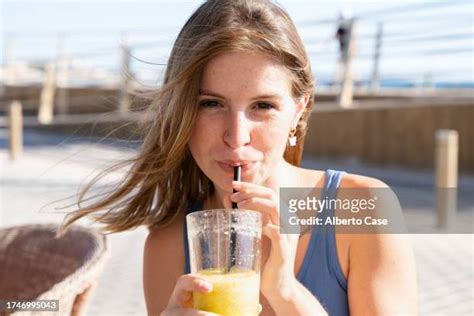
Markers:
{"x": 301, "y": 107}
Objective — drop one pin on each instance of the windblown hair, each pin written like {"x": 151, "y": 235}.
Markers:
{"x": 163, "y": 176}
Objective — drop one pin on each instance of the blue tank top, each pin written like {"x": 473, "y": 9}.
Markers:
{"x": 320, "y": 272}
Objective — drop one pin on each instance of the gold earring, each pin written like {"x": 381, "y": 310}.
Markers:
{"x": 292, "y": 138}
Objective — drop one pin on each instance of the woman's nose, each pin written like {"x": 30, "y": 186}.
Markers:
{"x": 237, "y": 130}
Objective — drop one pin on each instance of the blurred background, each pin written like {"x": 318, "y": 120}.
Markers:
{"x": 394, "y": 100}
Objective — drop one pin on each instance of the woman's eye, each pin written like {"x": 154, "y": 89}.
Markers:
{"x": 209, "y": 104}
{"x": 265, "y": 106}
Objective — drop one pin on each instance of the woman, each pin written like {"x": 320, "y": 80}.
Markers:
{"x": 238, "y": 91}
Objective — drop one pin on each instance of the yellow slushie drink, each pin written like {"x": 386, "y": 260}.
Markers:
{"x": 234, "y": 293}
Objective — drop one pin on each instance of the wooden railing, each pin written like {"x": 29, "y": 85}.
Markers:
{"x": 391, "y": 132}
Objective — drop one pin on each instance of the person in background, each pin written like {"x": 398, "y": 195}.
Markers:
{"x": 343, "y": 36}
{"x": 343, "y": 32}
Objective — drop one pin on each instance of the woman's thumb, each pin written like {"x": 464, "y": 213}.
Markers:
{"x": 273, "y": 232}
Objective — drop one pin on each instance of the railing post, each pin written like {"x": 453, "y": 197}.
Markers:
{"x": 15, "y": 130}
{"x": 347, "y": 86}
{"x": 46, "y": 107}
{"x": 375, "y": 82}
{"x": 446, "y": 158}
{"x": 62, "y": 101}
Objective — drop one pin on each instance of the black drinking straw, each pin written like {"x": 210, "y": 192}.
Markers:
{"x": 237, "y": 170}
{"x": 233, "y": 234}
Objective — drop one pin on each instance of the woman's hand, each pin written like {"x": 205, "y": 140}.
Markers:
{"x": 82, "y": 300}
{"x": 181, "y": 300}
{"x": 278, "y": 272}
{"x": 284, "y": 292}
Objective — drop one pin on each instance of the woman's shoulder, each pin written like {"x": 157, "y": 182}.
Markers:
{"x": 354, "y": 186}
{"x": 163, "y": 234}
{"x": 163, "y": 263}
{"x": 166, "y": 239}
{"x": 350, "y": 180}
{"x": 315, "y": 178}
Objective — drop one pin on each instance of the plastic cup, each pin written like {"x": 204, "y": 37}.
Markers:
{"x": 224, "y": 248}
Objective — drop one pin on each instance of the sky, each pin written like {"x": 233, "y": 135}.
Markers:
{"x": 422, "y": 38}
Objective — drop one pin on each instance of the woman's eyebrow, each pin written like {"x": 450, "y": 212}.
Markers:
{"x": 263, "y": 96}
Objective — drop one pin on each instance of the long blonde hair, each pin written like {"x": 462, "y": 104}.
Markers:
{"x": 163, "y": 176}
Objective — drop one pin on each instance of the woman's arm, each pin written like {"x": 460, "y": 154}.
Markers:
{"x": 296, "y": 300}
{"x": 161, "y": 267}
{"x": 382, "y": 277}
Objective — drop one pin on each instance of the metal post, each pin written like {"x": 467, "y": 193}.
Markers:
{"x": 347, "y": 87}
{"x": 124, "y": 96}
{"x": 46, "y": 107}
{"x": 15, "y": 127}
{"x": 446, "y": 158}
{"x": 375, "y": 82}
{"x": 62, "y": 101}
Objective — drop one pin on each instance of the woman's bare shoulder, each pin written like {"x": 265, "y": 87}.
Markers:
{"x": 307, "y": 178}
{"x": 359, "y": 187}
{"x": 354, "y": 186}
{"x": 310, "y": 177}
{"x": 164, "y": 234}
{"x": 163, "y": 264}
{"x": 350, "y": 180}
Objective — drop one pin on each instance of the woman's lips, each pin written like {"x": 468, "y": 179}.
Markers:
{"x": 228, "y": 168}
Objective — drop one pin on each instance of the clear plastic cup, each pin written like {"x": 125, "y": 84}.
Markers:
{"x": 224, "y": 248}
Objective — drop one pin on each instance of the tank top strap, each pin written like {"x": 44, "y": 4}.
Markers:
{"x": 334, "y": 178}
{"x": 332, "y": 183}
{"x": 319, "y": 233}
{"x": 321, "y": 272}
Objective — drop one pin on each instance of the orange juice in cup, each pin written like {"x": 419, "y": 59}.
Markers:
{"x": 234, "y": 293}
{"x": 224, "y": 248}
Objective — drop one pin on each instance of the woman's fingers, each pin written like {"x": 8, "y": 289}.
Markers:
{"x": 263, "y": 206}
{"x": 186, "y": 284}
{"x": 180, "y": 303}
{"x": 247, "y": 189}
{"x": 83, "y": 299}
{"x": 255, "y": 197}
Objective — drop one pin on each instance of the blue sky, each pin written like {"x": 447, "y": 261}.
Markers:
{"x": 95, "y": 27}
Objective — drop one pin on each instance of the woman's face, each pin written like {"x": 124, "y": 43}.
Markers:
{"x": 246, "y": 111}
